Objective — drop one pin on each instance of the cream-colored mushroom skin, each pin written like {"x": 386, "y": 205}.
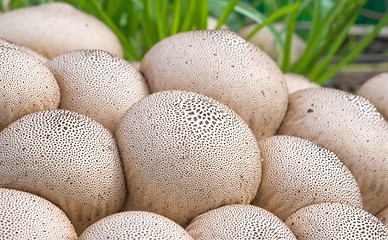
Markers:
{"x": 297, "y": 82}
{"x": 5, "y": 43}
{"x": 66, "y": 158}
{"x": 224, "y": 66}
{"x": 297, "y": 173}
{"x": 26, "y": 86}
{"x": 24, "y": 215}
{"x": 139, "y": 225}
{"x": 238, "y": 221}
{"x": 184, "y": 154}
{"x": 335, "y": 221}
{"x": 55, "y": 28}
{"x": 383, "y": 216}
{"x": 352, "y": 128}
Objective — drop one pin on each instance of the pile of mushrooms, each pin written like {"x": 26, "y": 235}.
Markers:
{"x": 204, "y": 140}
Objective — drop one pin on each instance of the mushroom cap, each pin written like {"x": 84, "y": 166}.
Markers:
{"x": 376, "y": 91}
{"x": 383, "y": 216}
{"x": 26, "y": 86}
{"x": 27, "y": 216}
{"x": 297, "y": 82}
{"x": 221, "y": 65}
{"x": 97, "y": 84}
{"x": 5, "y": 43}
{"x": 238, "y": 221}
{"x": 184, "y": 154}
{"x": 135, "y": 225}
{"x": 298, "y": 173}
{"x": 335, "y": 221}
{"x": 55, "y": 28}
{"x": 352, "y": 128}
{"x": 66, "y": 158}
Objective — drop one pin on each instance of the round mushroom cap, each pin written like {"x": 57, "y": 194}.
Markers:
{"x": 184, "y": 154}
{"x": 224, "y": 66}
{"x": 66, "y": 158}
{"x": 26, "y": 86}
{"x": 376, "y": 91}
{"x": 383, "y": 216}
{"x": 298, "y": 173}
{"x": 238, "y": 221}
{"x": 55, "y": 28}
{"x": 335, "y": 221}
{"x": 5, "y": 43}
{"x": 135, "y": 225}
{"x": 352, "y": 128}
{"x": 297, "y": 82}
{"x": 97, "y": 84}
{"x": 27, "y": 216}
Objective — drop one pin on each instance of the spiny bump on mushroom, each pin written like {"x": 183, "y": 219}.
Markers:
{"x": 5, "y": 43}
{"x": 97, "y": 84}
{"x": 135, "y": 225}
{"x": 26, "y": 86}
{"x": 335, "y": 221}
{"x": 238, "y": 221}
{"x": 24, "y": 215}
{"x": 297, "y": 173}
{"x": 352, "y": 128}
{"x": 224, "y": 66}
{"x": 67, "y": 158}
{"x": 184, "y": 154}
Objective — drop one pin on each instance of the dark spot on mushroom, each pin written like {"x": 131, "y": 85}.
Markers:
{"x": 310, "y": 110}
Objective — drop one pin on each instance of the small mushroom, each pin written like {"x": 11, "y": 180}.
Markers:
{"x": 224, "y": 66}
{"x": 54, "y": 28}
{"x": 297, "y": 82}
{"x": 135, "y": 225}
{"x": 335, "y": 221}
{"x": 5, "y": 43}
{"x": 27, "y": 216}
{"x": 238, "y": 221}
{"x": 184, "y": 154}
{"x": 383, "y": 216}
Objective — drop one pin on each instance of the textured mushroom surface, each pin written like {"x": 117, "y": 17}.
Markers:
{"x": 376, "y": 91}
{"x": 297, "y": 173}
{"x": 383, "y": 216}
{"x": 184, "y": 154}
{"x": 221, "y": 65}
{"x": 5, "y": 43}
{"x": 335, "y": 221}
{"x": 98, "y": 84}
{"x": 297, "y": 82}
{"x": 26, "y": 86}
{"x": 55, "y": 28}
{"x": 238, "y": 221}
{"x": 66, "y": 158}
{"x": 27, "y": 216}
{"x": 352, "y": 128}
{"x": 135, "y": 225}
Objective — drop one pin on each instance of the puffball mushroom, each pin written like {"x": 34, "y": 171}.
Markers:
{"x": 238, "y": 221}
{"x": 26, "y": 86}
{"x": 297, "y": 173}
{"x": 54, "y": 28}
{"x": 135, "y": 225}
{"x": 352, "y": 128}
{"x": 376, "y": 91}
{"x": 335, "y": 221}
{"x": 97, "y": 84}
{"x": 66, "y": 158}
{"x": 185, "y": 154}
{"x": 27, "y": 216}
{"x": 5, "y": 43}
{"x": 383, "y": 216}
{"x": 297, "y": 82}
{"x": 221, "y": 65}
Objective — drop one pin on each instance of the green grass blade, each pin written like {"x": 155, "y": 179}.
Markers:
{"x": 160, "y": 18}
{"x": 203, "y": 13}
{"x": 227, "y": 11}
{"x": 188, "y": 14}
{"x": 285, "y": 63}
{"x": 176, "y": 16}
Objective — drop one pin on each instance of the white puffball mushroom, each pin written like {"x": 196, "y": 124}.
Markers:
{"x": 238, "y": 221}
{"x": 26, "y": 86}
{"x": 5, "y": 43}
{"x": 140, "y": 225}
{"x": 54, "y": 28}
{"x": 97, "y": 84}
{"x": 352, "y": 128}
{"x": 383, "y": 216}
{"x": 297, "y": 173}
{"x": 335, "y": 221}
{"x": 184, "y": 154}
{"x": 297, "y": 82}
{"x": 376, "y": 91}
{"x": 27, "y": 216}
{"x": 67, "y": 158}
{"x": 224, "y": 66}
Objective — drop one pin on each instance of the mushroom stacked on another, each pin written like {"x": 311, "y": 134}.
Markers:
{"x": 5, "y": 43}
